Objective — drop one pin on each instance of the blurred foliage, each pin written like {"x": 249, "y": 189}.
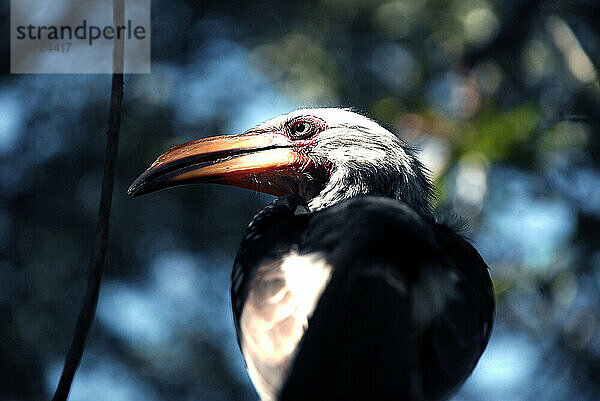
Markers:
{"x": 501, "y": 98}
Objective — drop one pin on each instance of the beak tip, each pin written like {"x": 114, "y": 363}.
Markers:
{"x": 134, "y": 189}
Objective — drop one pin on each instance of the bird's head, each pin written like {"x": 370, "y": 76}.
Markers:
{"x": 323, "y": 155}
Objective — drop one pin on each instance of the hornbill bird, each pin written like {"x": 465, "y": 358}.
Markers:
{"x": 346, "y": 287}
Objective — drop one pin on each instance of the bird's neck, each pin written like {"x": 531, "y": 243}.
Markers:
{"x": 339, "y": 187}
{"x": 344, "y": 184}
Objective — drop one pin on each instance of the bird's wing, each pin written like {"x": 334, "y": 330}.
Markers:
{"x": 397, "y": 315}
{"x": 274, "y": 291}
{"x": 402, "y": 318}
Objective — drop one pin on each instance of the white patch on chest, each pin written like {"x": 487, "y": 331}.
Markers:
{"x": 282, "y": 297}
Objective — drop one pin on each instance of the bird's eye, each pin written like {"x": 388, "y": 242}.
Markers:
{"x": 301, "y": 129}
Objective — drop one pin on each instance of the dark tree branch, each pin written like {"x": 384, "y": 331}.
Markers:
{"x": 88, "y": 310}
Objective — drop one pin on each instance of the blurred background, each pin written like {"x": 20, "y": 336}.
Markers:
{"x": 502, "y": 98}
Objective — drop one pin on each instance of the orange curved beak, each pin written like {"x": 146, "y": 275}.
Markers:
{"x": 263, "y": 162}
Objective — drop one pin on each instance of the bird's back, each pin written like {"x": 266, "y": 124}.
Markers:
{"x": 362, "y": 300}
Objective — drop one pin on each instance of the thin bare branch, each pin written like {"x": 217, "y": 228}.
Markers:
{"x": 88, "y": 310}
